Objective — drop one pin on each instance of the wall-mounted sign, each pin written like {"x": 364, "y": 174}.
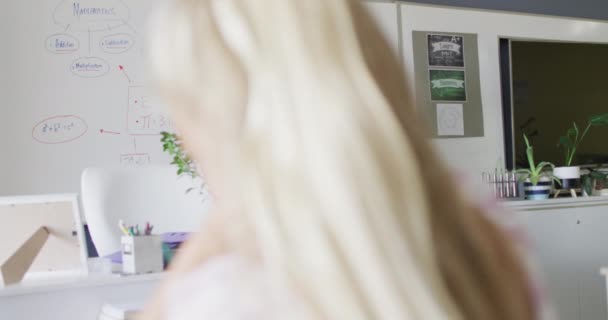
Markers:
{"x": 448, "y": 85}
{"x": 450, "y": 120}
{"x": 445, "y": 50}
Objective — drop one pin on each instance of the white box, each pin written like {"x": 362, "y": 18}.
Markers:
{"x": 142, "y": 254}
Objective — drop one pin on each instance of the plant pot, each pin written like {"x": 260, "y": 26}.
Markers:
{"x": 540, "y": 191}
{"x": 569, "y": 176}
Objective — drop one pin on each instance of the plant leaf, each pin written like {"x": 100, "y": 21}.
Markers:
{"x": 534, "y": 179}
{"x": 557, "y": 180}
{"x": 599, "y": 120}
{"x": 565, "y": 141}
{"x": 529, "y": 153}
{"x": 539, "y": 168}
{"x": 587, "y": 182}
{"x": 523, "y": 174}
{"x": 527, "y": 141}
{"x": 523, "y": 171}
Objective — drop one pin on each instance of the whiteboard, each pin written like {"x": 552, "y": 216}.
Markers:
{"x": 74, "y": 92}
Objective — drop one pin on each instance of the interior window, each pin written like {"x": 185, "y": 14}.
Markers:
{"x": 554, "y": 85}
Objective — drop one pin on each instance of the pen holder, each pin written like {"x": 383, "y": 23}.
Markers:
{"x": 142, "y": 254}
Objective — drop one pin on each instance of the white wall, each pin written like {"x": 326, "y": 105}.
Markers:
{"x": 386, "y": 14}
{"x": 475, "y": 154}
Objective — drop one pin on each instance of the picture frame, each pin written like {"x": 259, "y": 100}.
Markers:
{"x": 448, "y": 85}
{"x": 45, "y": 234}
{"x": 446, "y": 50}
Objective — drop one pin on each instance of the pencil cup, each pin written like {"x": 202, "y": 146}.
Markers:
{"x": 142, "y": 254}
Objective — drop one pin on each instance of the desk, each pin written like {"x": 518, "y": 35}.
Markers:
{"x": 74, "y": 298}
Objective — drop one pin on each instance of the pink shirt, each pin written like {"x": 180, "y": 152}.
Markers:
{"x": 233, "y": 288}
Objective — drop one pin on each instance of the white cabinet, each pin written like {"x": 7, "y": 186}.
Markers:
{"x": 552, "y": 237}
{"x": 570, "y": 240}
{"x": 592, "y": 255}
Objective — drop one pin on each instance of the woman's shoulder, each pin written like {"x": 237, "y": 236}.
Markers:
{"x": 230, "y": 288}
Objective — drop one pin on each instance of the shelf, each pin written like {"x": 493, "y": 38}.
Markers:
{"x": 560, "y": 203}
{"x": 75, "y": 282}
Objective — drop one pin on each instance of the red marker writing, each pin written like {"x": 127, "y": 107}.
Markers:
{"x": 102, "y": 131}
{"x": 121, "y": 68}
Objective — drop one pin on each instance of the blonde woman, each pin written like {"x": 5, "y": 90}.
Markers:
{"x": 330, "y": 202}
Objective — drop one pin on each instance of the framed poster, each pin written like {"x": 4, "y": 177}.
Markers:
{"x": 448, "y": 85}
{"x": 445, "y": 50}
{"x": 26, "y": 251}
{"x": 450, "y": 120}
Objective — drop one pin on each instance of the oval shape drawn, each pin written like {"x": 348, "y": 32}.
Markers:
{"x": 117, "y": 43}
{"x": 59, "y": 129}
{"x": 90, "y": 67}
{"x": 62, "y": 43}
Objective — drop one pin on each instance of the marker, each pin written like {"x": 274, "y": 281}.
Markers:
{"x": 121, "y": 226}
{"x": 147, "y": 229}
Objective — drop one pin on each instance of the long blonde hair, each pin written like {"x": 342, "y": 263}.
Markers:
{"x": 344, "y": 196}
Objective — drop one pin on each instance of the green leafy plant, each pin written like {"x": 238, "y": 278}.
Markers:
{"x": 535, "y": 172}
{"x": 172, "y": 145}
{"x": 573, "y": 138}
{"x": 600, "y": 179}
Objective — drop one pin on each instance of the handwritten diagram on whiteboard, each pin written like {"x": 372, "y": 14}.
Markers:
{"x": 91, "y": 15}
{"x": 84, "y": 17}
{"x": 134, "y": 160}
{"x": 75, "y": 23}
{"x": 59, "y": 129}
{"x": 145, "y": 116}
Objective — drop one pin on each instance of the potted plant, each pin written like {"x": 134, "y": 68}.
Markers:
{"x": 537, "y": 183}
{"x": 594, "y": 182}
{"x": 568, "y": 174}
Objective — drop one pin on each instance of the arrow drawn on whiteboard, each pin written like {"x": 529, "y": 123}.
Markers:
{"x": 124, "y": 72}
{"x": 102, "y": 131}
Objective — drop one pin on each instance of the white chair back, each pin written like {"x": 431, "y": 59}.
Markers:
{"x": 136, "y": 196}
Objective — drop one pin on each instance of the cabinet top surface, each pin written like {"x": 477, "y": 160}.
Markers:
{"x": 75, "y": 282}
{"x": 557, "y": 203}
